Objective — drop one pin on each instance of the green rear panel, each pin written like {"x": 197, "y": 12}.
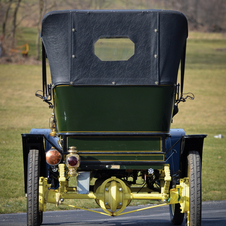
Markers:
{"x": 113, "y": 108}
{"x": 120, "y": 150}
{"x": 116, "y": 143}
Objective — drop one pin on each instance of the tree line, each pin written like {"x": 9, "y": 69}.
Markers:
{"x": 202, "y": 15}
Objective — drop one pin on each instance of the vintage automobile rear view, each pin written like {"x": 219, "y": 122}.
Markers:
{"x": 113, "y": 94}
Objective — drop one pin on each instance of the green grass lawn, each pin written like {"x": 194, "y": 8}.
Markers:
{"x": 205, "y": 76}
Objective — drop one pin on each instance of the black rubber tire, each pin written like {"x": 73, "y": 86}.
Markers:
{"x": 34, "y": 217}
{"x": 195, "y": 187}
{"x": 40, "y": 217}
{"x": 176, "y": 216}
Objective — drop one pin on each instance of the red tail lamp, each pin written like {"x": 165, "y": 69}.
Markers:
{"x": 72, "y": 161}
{"x": 53, "y": 157}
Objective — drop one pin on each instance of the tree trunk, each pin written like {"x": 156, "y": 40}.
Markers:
{"x": 14, "y": 25}
{"x": 38, "y": 44}
{"x": 6, "y": 18}
{"x": 41, "y": 10}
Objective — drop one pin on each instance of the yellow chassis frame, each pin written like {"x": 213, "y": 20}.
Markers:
{"x": 113, "y": 195}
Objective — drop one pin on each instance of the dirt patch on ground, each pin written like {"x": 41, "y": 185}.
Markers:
{"x": 221, "y": 49}
{"x": 19, "y": 59}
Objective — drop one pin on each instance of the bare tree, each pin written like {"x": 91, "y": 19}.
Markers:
{"x": 14, "y": 24}
{"x": 101, "y": 4}
{"x": 79, "y": 4}
{"x": 201, "y": 14}
{"x": 41, "y": 12}
{"x": 11, "y": 8}
{"x": 44, "y": 7}
{"x": 212, "y": 15}
{"x": 6, "y": 17}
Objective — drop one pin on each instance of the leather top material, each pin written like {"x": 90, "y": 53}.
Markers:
{"x": 159, "y": 38}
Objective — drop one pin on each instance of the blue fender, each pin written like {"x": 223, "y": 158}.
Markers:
{"x": 173, "y": 149}
{"x": 46, "y": 133}
{"x": 177, "y": 146}
{"x": 34, "y": 140}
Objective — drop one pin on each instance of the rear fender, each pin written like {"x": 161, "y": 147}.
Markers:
{"x": 178, "y": 145}
{"x": 36, "y": 140}
{"x": 173, "y": 149}
{"x": 190, "y": 143}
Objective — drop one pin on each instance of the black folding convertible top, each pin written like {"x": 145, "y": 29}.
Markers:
{"x": 69, "y": 37}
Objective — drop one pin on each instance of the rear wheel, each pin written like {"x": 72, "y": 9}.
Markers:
{"x": 195, "y": 189}
{"x": 34, "y": 217}
{"x": 176, "y": 216}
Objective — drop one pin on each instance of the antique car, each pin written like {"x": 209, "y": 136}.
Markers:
{"x": 113, "y": 94}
